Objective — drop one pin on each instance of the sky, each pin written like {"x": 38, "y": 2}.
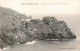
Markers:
{"x": 43, "y": 6}
{"x": 67, "y": 10}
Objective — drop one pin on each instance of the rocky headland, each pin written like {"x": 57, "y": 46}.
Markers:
{"x": 14, "y": 29}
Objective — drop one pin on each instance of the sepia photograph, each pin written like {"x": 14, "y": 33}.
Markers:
{"x": 39, "y": 25}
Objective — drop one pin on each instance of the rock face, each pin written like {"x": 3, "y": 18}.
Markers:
{"x": 50, "y": 28}
{"x": 11, "y": 27}
{"x": 13, "y": 30}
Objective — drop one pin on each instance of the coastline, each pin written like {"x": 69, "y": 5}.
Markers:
{"x": 14, "y": 29}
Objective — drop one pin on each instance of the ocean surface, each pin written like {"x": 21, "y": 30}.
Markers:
{"x": 66, "y": 45}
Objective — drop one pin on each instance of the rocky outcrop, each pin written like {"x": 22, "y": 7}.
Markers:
{"x": 50, "y": 28}
{"x": 11, "y": 31}
{"x": 15, "y": 31}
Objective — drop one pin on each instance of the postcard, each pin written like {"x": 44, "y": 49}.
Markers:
{"x": 39, "y": 25}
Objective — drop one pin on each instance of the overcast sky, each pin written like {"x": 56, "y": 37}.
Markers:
{"x": 43, "y": 6}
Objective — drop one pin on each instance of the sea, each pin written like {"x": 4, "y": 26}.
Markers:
{"x": 40, "y": 45}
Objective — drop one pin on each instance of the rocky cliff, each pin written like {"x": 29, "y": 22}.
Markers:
{"x": 13, "y": 30}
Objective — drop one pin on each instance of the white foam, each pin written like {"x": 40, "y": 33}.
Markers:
{"x": 0, "y": 49}
{"x": 31, "y": 42}
{"x": 3, "y": 49}
{"x": 17, "y": 43}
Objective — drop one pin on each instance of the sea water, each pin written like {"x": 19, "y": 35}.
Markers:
{"x": 65, "y": 45}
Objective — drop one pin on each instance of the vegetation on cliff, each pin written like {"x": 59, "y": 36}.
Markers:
{"x": 50, "y": 28}
{"x": 13, "y": 30}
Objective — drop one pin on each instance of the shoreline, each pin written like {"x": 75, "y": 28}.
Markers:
{"x": 34, "y": 41}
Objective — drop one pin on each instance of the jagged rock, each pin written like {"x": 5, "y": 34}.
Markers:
{"x": 50, "y": 28}
{"x": 11, "y": 26}
{"x": 2, "y": 44}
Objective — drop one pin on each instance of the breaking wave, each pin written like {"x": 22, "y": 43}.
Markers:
{"x": 5, "y": 48}
{"x": 31, "y": 42}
